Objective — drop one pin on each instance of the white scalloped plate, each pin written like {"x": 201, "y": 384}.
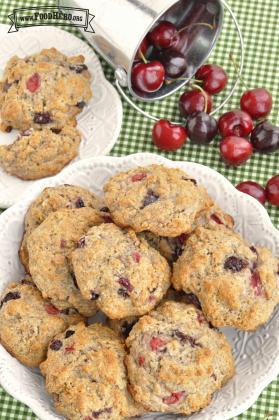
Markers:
{"x": 99, "y": 123}
{"x": 256, "y": 354}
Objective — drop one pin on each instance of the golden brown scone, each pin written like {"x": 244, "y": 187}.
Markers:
{"x": 40, "y": 153}
{"x": 49, "y": 247}
{"x": 172, "y": 248}
{"x": 86, "y": 375}
{"x": 50, "y": 200}
{"x": 162, "y": 200}
{"x": 123, "y": 326}
{"x": 119, "y": 271}
{"x": 236, "y": 283}
{"x": 45, "y": 89}
{"x": 176, "y": 361}
{"x": 28, "y": 322}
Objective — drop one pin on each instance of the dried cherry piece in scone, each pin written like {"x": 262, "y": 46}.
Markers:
{"x": 174, "y": 397}
{"x": 79, "y": 203}
{"x": 123, "y": 281}
{"x": 56, "y": 345}
{"x": 150, "y": 198}
{"x": 235, "y": 264}
{"x": 185, "y": 338}
{"x": 42, "y": 117}
{"x": 33, "y": 83}
{"x": 69, "y": 333}
{"x": 10, "y": 296}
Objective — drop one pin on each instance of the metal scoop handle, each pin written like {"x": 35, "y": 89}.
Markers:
{"x": 154, "y": 118}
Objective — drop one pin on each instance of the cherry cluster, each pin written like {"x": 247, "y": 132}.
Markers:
{"x": 235, "y": 126}
{"x": 242, "y": 130}
{"x": 165, "y": 45}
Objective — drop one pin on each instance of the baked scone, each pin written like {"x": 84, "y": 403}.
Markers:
{"x": 45, "y": 89}
{"x": 172, "y": 248}
{"x": 124, "y": 326}
{"x": 237, "y": 284}
{"x": 176, "y": 361}
{"x": 28, "y": 322}
{"x": 162, "y": 200}
{"x": 119, "y": 271}
{"x": 40, "y": 153}
{"x": 86, "y": 375}
{"x": 50, "y": 200}
{"x": 49, "y": 247}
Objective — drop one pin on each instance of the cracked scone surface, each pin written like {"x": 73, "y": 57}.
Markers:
{"x": 85, "y": 372}
{"x": 52, "y": 199}
{"x": 165, "y": 201}
{"x": 236, "y": 283}
{"x": 119, "y": 271}
{"x": 28, "y": 322}
{"x": 175, "y": 360}
{"x": 50, "y": 246}
{"x": 172, "y": 247}
{"x": 44, "y": 89}
{"x": 40, "y": 153}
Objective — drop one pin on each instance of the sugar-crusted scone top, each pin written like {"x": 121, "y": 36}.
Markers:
{"x": 165, "y": 201}
{"x": 49, "y": 248}
{"x": 28, "y": 322}
{"x": 40, "y": 153}
{"x": 119, "y": 271}
{"x": 85, "y": 372}
{"x": 50, "y": 200}
{"x": 175, "y": 360}
{"x": 47, "y": 89}
{"x": 236, "y": 283}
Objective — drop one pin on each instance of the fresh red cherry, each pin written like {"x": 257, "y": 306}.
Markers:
{"x": 148, "y": 77}
{"x": 272, "y": 190}
{"x": 257, "y": 102}
{"x": 214, "y": 78}
{"x": 265, "y": 137}
{"x": 235, "y": 150}
{"x": 194, "y": 101}
{"x": 162, "y": 36}
{"x": 174, "y": 63}
{"x": 168, "y": 136}
{"x": 201, "y": 128}
{"x": 254, "y": 189}
{"x": 142, "y": 49}
{"x": 235, "y": 123}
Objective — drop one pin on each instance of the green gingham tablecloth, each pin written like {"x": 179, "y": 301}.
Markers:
{"x": 259, "y": 20}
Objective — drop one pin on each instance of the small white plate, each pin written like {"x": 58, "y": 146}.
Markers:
{"x": 256, "y": 354}
{"x": 99, "y": 123}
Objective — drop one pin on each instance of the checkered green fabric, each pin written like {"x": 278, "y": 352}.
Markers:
{"x": 259, "y": 22}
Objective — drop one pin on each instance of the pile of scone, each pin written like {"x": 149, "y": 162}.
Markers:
{"x": 162, "y": 262}
{"x": 41, "y": 95}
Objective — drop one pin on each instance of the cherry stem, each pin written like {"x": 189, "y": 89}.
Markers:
{"x": 236, "y": 67}
{"x": 143, "y": 57}
{"x": 208, "y": 25}
{"x": 204, "y": 95}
